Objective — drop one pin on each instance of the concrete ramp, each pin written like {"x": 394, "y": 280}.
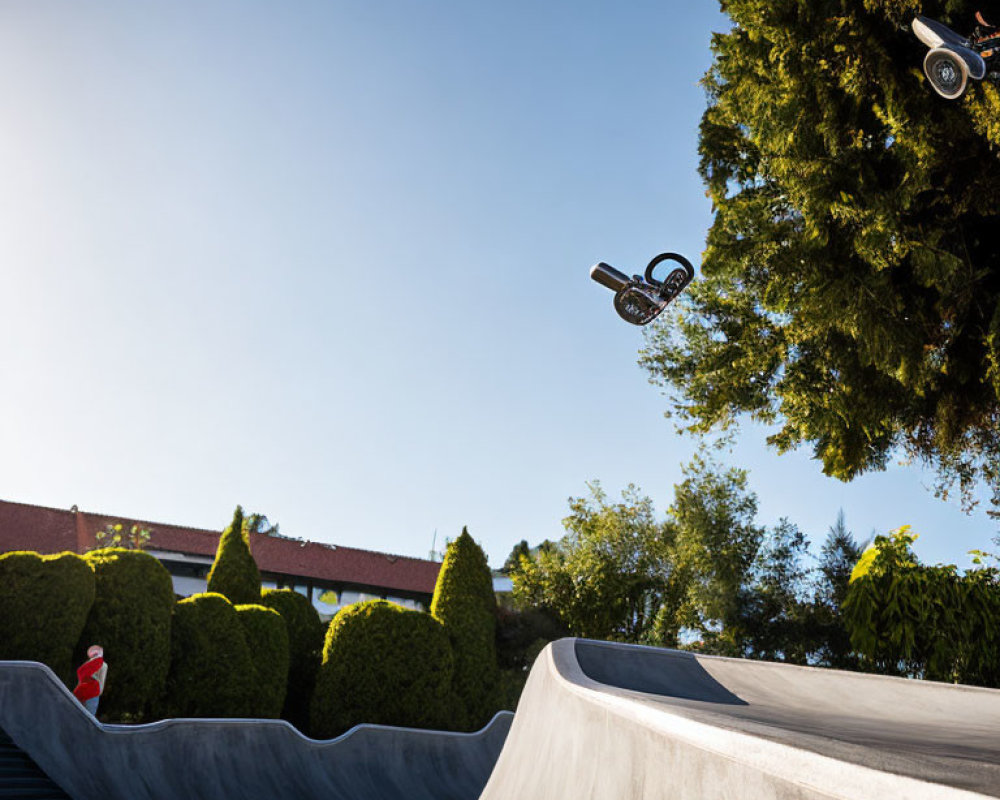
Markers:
{"x": 239, "y": 759}
{"x": 601, "y": 720}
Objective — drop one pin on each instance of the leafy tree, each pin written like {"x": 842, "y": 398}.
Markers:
{"x": 709, "y": 577}
{"x": 259, "y": 523}
{"x": 521, "y": 550}
{"x": 608, "y": 576}
{"x": 234, "y": 573}
{"x": 924, "y": 621}
{"x": 465, "y": 604}
{"x": 115, "y": 535}
{"x": 774, "y": 616}
{"x": 851, "y": 280}
{"x": 716, "y": 545}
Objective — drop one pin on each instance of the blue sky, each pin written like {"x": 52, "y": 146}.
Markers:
{"x": 329, "y": 260}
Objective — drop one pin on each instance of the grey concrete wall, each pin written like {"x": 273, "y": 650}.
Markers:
{"x": 244, "y": 759}
{"x": 596, "y": 720}
{"x": 601, "y": 720}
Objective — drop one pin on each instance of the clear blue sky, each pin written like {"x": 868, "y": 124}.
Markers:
{"x": 330, "y": 260}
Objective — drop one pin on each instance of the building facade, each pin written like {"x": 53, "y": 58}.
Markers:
{"x": 329, "y": 575}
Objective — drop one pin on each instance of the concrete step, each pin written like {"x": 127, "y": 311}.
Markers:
{"x": 33, "y": 794}
{"x": 21, "y": 777}
{"x": 26, "y": 771}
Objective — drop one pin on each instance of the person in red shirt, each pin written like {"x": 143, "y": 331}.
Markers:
{"x": 90, "y": 679}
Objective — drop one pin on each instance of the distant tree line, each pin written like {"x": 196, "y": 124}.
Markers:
{"x": 709, "y": 578}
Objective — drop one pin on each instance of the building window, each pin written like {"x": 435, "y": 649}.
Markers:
{"x": 325, "y": 601}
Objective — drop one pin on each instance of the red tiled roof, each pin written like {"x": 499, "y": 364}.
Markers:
{"x": 51, "y": 530}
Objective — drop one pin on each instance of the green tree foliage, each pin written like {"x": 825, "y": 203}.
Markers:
{"x": 521, "y": 636}
{"x": 259, "y": 523}
{"x": 234, "y": 573}
{"x": 708, "y": 577}
{"x": 383, "y": 664}
{"x": 305, "y": 643}
{"x": 521, "y": 550}
{"x": 116, "y": 535}
{"x": 44, "y": 602}
{"x": 831, "y": 641}
{"x": 850, "y": 291}
{"x": 130, "y": 619}
{"x": 611, "y": 572}
{"x": 925, "y": 621}
{"x": 212, "y": 671}
{"x": 774, "y": 616}
{"x": 716, "y": 545}
{"x": 465, "y": 604}
{"x": 267, "y": 637}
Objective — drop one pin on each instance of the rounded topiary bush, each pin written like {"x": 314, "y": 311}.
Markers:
{"x": 130, "y": 619}
{"x": 305, "y": 646}
{"x": 267, "y": 637}
{"x": 382, "y": 664}
{"x": 211, "y": 669}
{"x": 44, "y": 602}
{"x": 234, "y": 573}
{"x": 465, "y": 604}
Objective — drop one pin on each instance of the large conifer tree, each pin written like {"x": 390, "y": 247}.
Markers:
{"x": 234, "y": 573}
{"x": 465, "y": 604}
{"x": 851, "y": 281}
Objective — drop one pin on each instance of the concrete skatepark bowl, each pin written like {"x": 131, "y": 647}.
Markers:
{"x": 596, "y": 720}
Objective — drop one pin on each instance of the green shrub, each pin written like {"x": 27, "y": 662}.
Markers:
{"x": 130, "y": 619}
{"x": 305, "y": 645}
{"x": 465, "y": 604}
{"x": 383, "y": 664}
{"x": 44, "y": 602}
{"x": 211, "y": 668}
{"x": 234, "y": 573}
{"x": 267, "y": 637}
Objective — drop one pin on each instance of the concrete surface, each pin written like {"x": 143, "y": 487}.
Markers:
{"x": 596, "y": 720}
{"x": 245, "y": 759}
{"x": 600, "y": 720}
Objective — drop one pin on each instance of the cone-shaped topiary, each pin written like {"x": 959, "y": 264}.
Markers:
{"x": 130, "y": 619}
{"x": 44, "y": 602}
{"x": 305, "y": 645}
{"x": 211, "y": 667}
{"x": 383, "y": 664}
{"x": 267, "y": 637}
{"x": 465, "y": 604}
{"x": 234, "y": 573}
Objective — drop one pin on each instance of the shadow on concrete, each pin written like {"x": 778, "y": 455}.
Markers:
{"x": 669, "y": 673}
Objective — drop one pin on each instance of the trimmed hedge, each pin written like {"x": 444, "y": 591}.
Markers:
{"x": 211, "y": 668}
{"x": 130, "y": 619}
{"x": 305, "y": 645}
{"x": 267, "y": 637}
{"x": 465, "y": 604}
{"x": 234, "y": 573}
{"x": 383, "y": 664}
{"x": 44, "y": 602}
